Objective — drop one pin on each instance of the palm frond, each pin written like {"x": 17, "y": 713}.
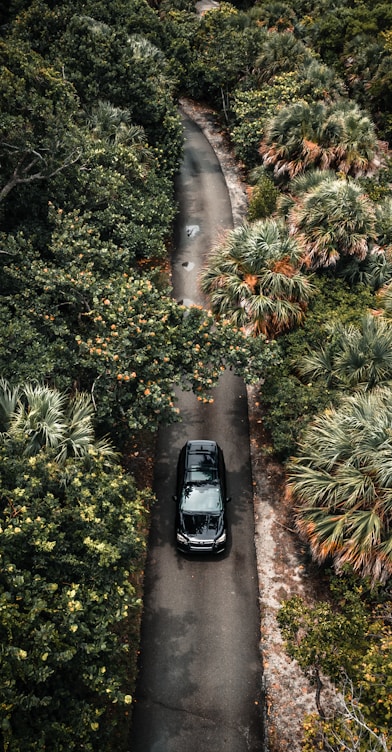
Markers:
{"x": 325, "y": 533}
{"x": 39, "y": 417}
{"x": 341, "y": 484}
{"x": 8, "y": 401}
{"x": 317, "y": 364}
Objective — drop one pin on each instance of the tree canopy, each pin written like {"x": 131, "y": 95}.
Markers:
{"x": 91, "y": 341}
{"x": 71, "y": 534}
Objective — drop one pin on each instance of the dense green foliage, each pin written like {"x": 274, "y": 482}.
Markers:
{"x": 71, "y": 535}
{"x": 277, "y": 54}
{"x": 348, "y": 638}
{"x": 311, "y": 98}
{"x": 90, "y": 141}
{"x": 291, "y": 399}
{"x": 87, "y": 211}
{"x": 83, "y": 320}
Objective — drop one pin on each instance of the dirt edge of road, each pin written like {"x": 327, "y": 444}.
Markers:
{"x": 289, "y": 697}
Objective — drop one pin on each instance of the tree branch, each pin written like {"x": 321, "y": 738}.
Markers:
{"x": 20, "y": 174}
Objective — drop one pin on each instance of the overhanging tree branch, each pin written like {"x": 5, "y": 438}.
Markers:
{"x": 23, "y": 174}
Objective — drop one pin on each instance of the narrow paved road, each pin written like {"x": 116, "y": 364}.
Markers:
{"x": 199, "y": 687}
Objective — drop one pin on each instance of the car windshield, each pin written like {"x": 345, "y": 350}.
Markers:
{"x": 201, "y": 498}
{"x": 203, "y": 472}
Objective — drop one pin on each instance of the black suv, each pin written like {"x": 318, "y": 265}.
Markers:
{"x": 201, "y": 498}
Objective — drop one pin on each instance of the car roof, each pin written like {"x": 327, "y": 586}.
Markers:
{"x": 201, "y": 445}
{"x": 201, "y": 454}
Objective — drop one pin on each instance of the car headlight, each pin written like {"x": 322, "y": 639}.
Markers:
{"x": 221, "y": 538}
{"x": 181, "y": 538}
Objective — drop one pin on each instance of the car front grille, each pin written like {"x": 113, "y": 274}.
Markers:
{"x": 201, "y": 544}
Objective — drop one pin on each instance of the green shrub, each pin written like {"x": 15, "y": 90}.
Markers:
{"x": 290, "y": 405}
{"x": 72, "y": 537}
{"x": 263, "y": 200}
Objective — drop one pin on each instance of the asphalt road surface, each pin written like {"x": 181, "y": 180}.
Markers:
{"x": 200, "y": 678}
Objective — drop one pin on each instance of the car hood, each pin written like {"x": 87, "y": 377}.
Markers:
{"x": 202, "y": 526}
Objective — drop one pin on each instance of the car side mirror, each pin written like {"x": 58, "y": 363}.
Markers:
{"x": 174, "y": 497}
{"x": 228, "y": 499}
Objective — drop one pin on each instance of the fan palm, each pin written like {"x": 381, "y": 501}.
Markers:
{"x": 39, "y": 418}
{"x": 338, "y": 136}
{"x": 44, "y": 418}
{"x": 365, "y": 357}
{"x": 334, "y": 220}
{"x": 301, "y": 185}
{"x": 375, "y": 271}
{"x": 79, "y": 438}
{"x": 290, "y": 142}
{"x": 114, "y": 125}
{"x": 350, "y": 135}
{"x": 318, "y": 81}
{"x": 274, "y": 15}
{"x": 143, "y": 49}
{"x": 280, "y": 52}
{"x": 253, "y": 279}
{"x": 105, "y": 118}
{"x": 359, "y": 357}
{"x": 341, "y": 484}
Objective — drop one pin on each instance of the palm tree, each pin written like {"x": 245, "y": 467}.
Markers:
{"x": 333, "y": 221}
{"x": 350, "y": 135}
{"x": 114, "y": 125}
{"x": 375, "y": 271}
{"x": 280, "y": 52}
{"x": 319, "y": 82}
{"x": 276, "y": 15}
{"x": 39, "y": 418}
{"x": 341, "y": 485}
{"x": 105, "y": 119}
{"x": 358, "y": 357}
{"x": 340, "y": 204}
{"x": 289, "y": 136}
{"x": 365, "y": 357}
{"x": 253, "y": 279}
{"x": 43, "y": 418}
{"x": 299, "y": 186}
{"x": 8, "y": 401}
{"x": 143, "y": 49}
{"x": 337, "y": 135}
{"x": 79, "y": 438}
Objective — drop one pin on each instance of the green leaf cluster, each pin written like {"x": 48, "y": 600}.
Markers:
{"x": 70, "y": 537}
{"x": 84, "y": 321}
{"x": 263, "y": 199}
{"x": 347, "y": 637}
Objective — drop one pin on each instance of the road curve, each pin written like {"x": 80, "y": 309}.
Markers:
{"x": 200, "y": 678}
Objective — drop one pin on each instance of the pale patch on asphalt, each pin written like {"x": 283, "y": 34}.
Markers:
{"x": 187, "y": 302}
{"x": 192, "y": 230}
